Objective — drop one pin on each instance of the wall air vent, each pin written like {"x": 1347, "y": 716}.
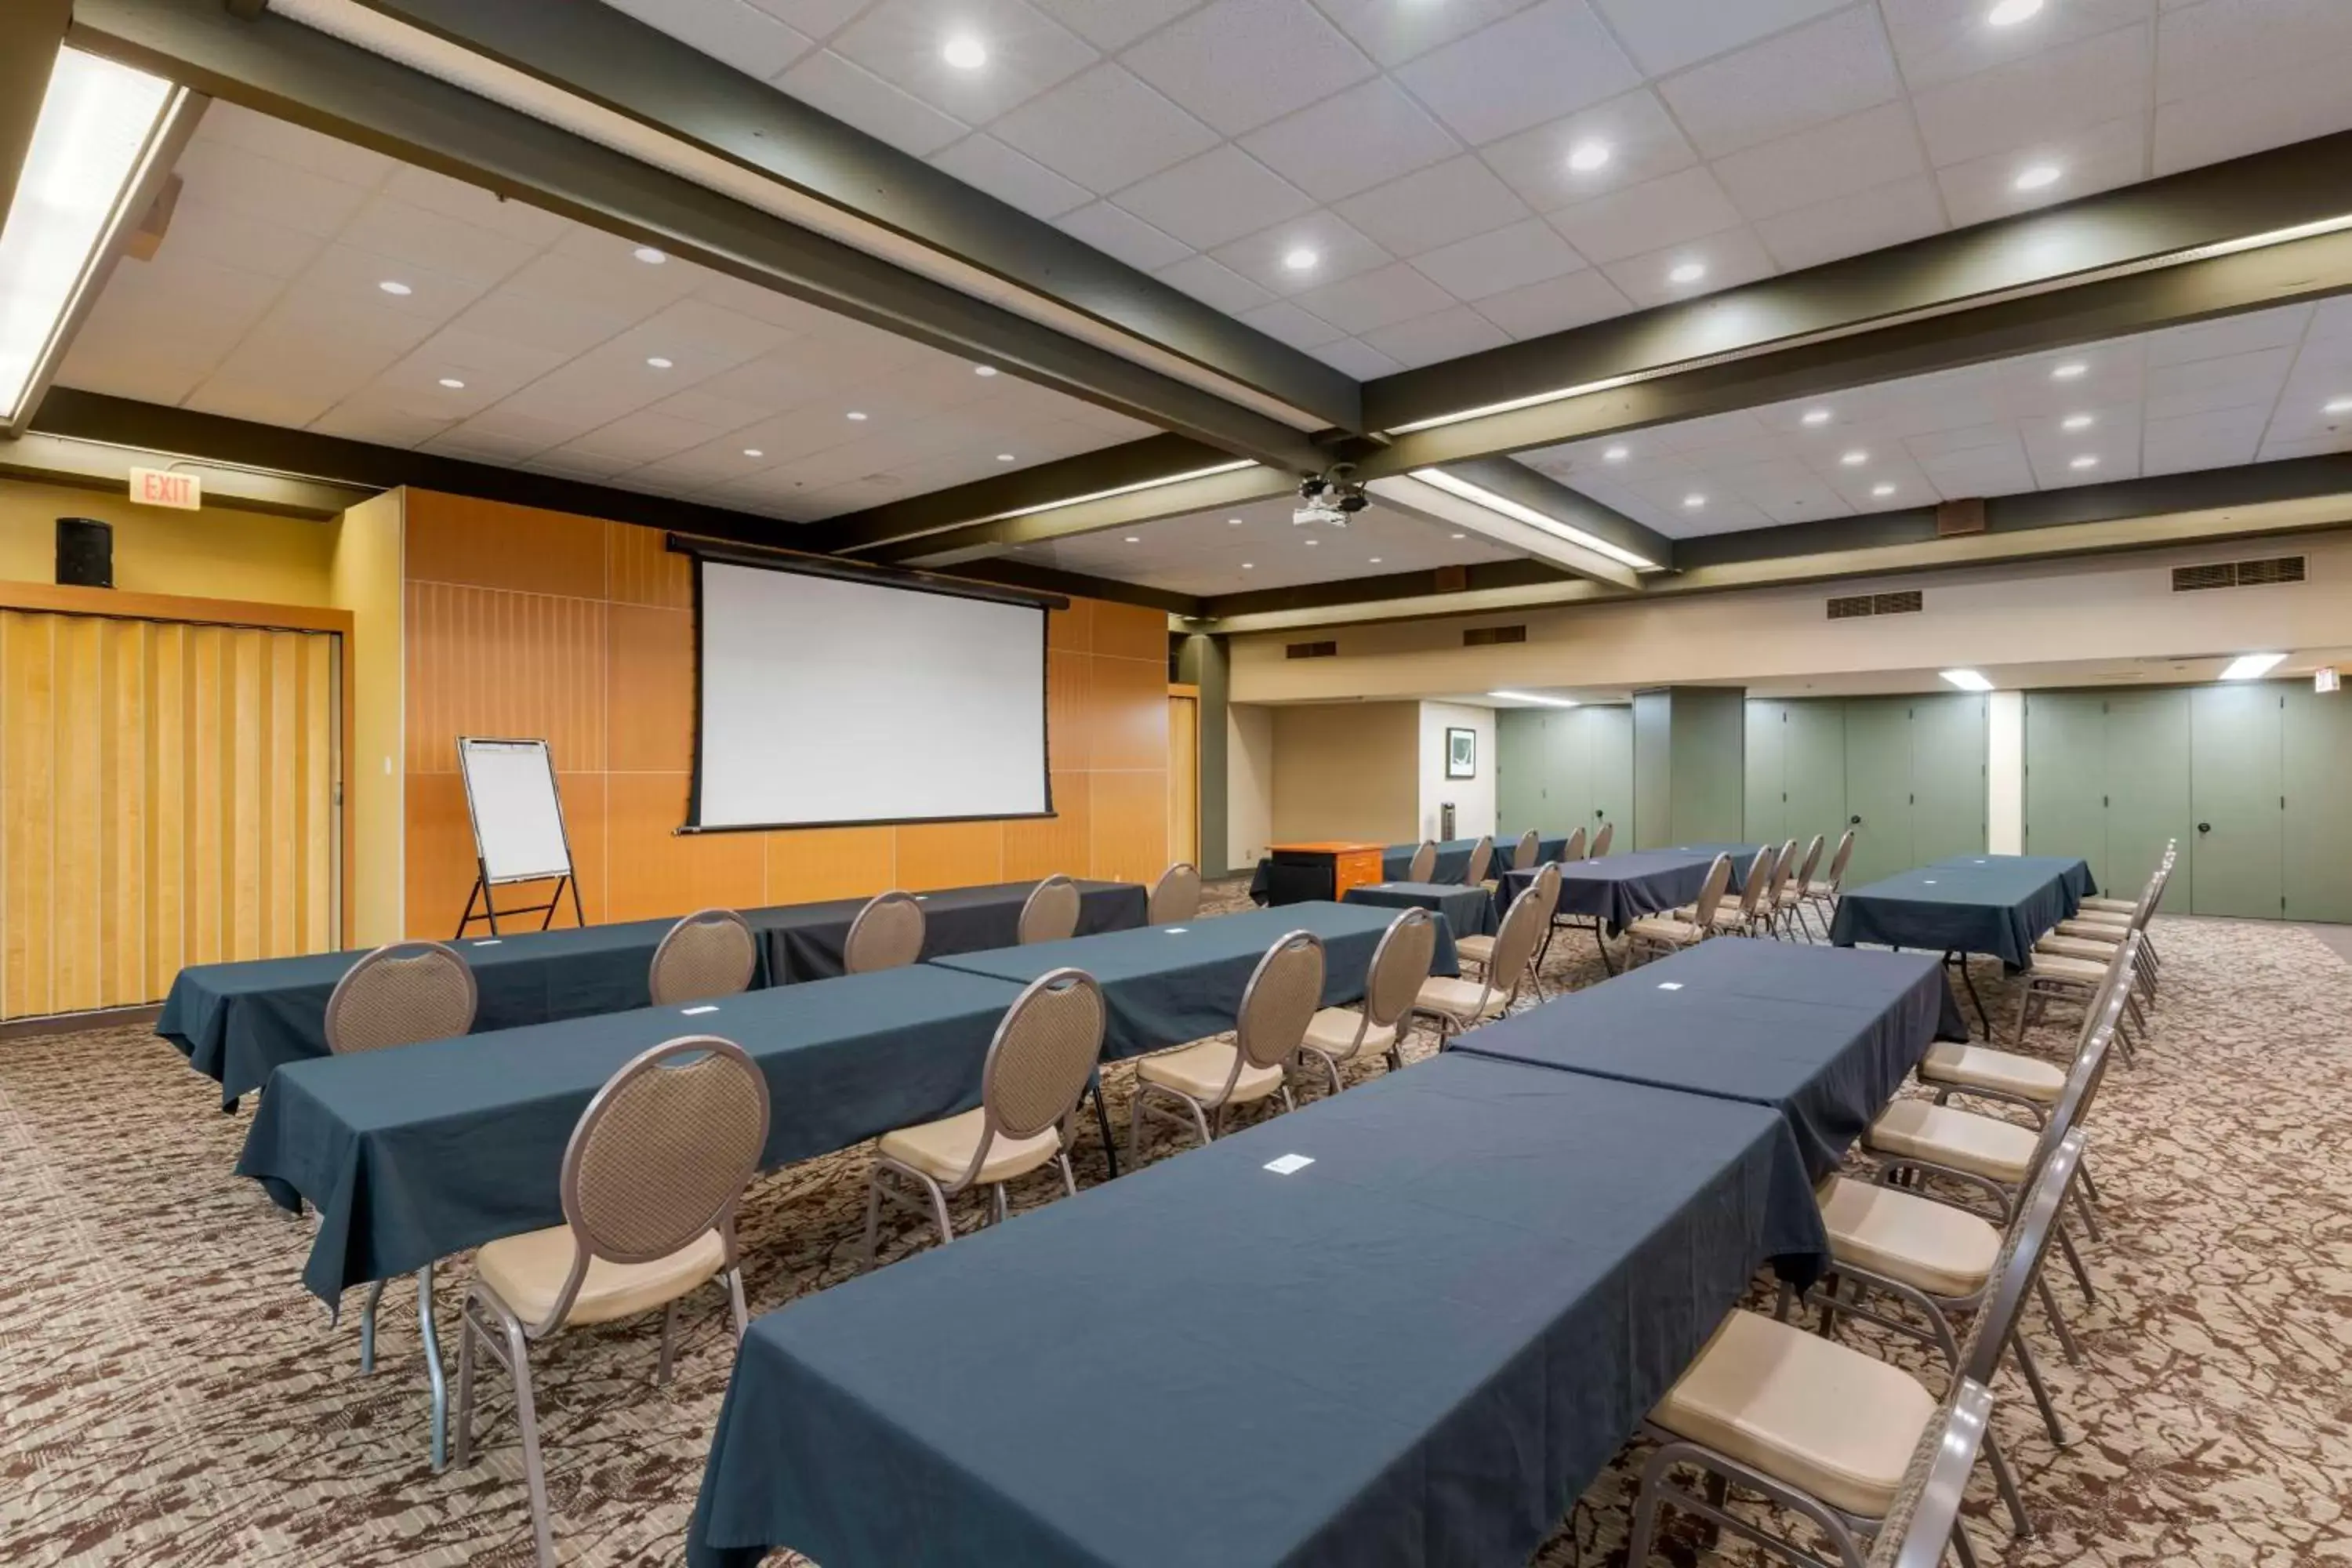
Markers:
{"x": 1490, "y": 636}
{"x": 1312, "y": 650}
{"x": 1853, "y": 604}
{"x": 2238, "y": 574}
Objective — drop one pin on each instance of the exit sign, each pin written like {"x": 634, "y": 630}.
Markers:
{"x": 161, "y": 486}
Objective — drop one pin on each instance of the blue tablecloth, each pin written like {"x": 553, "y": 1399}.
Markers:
{"x": 1166, "y": 985}
{"x": 1418, "y": 1349}
{"x": 2073, "y": 869}
{"x": 237, "y": 1023}
{"x": 412, "y": 1155}
{"x": 1824, "y": 1035}
{"x": 1621, "y": 888}
{"x": 1998, "y": 907}
{"x": 1469, "y": 912}
{"x": 1270, "y": 885}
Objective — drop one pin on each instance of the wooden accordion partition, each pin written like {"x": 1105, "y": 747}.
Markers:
{"x": 526, "y": 623}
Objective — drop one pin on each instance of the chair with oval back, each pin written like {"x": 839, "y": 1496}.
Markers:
{"x": 1481, "y": 860}
{"x": 1791, "y": 910}
{"x": 1038, "y": 1067}
{"x": 1824, "y": 895}
{"x": 1601, "y": 840}
{"x": 1524, "y": 853}
{"x": 1176, "y": 897}
{"x": 1742, "y": 915}
{"x": 1768, "y": 908}
{"x": 1451, "y": 1004}
{"x": 1336, "y": 1036}
{"x": 709, "y": 953}
{"x": 1209, "y": 1078}
{"x": 1656, "y": 935}
{"x": 1573, "y": 850}
{"x": 886, "y": 934}
{"x": 1424, "y": 863}
{"x": 650, "y": 1181}
{"x": 1051, "y": 912}
{"x": 404, "y": 994}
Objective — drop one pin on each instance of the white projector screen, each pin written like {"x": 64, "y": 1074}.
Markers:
{"x": 825, "y": 700}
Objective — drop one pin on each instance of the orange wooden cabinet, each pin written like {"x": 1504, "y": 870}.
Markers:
{"x": 1353, "y": 864}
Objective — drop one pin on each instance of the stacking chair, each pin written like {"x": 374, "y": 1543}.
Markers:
{"x": 650, "y": 1181}
{"x": 1424, "y": 863}
{"x": 1051, "y": 913}
{"x": 2063, "y": 976}
{"x": 886, "y": 934}
{"x": 1336, "y": 1036}
{"x": 1827, "y": 1431}
{"x": 403, "y": 994}
{"x": 1480, "y": 950}
{"x": 1451, "y": 1005}
{"x": 1768, "y": 908}
{"x": 1654, "y": 936}
{"x": 1176, "y": 896}
{"x": 1037, "y": 1070}
{"x": 1791, "y": 896}
{"x": 1600, "y": 840}
{"x": 1744, "y": 914}
{"x": 1523, "y": 854}
{"x": 1824, "y": 895}
{"x": 708, "y": 955}
{"x": 1573, "y": 850}
{"x": 2093, "y": 932}
{"x": 2031, "y": 1083}
{"x": 1925, "y": 1518}
{"x": 1209, "y": 1078}
{"x": 1481, "y": 860}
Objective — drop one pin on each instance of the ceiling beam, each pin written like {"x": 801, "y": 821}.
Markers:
{"x": 1092, "y": 512}
{"x": 290, "y": 71}
{"x": 30, "y": 32}
{"x": 1417, "y": 497}
{"x": 90, "y": 465}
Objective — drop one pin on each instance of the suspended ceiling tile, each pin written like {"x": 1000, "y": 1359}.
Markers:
{"x": 1240, "y": 64}
{"x": 1534, "y": 65}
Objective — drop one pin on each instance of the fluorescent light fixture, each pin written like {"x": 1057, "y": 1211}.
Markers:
{"x": 856, "y": 415}
{"x": 984, "y": 370}
{"x": 1966, "y": 679}
{"x": 1232, "y": 468}
{"x": 2077, "y": 422}
{"x": 658, "y": 362}
{"x": 1477, "y": 495}
{"x": 395, "y": 287}
{"x": 453, "y": 384}
{"x": 2251, "y": 666}
{"x": 1004, "y": 457}
{"x": 1694, "y": 500}
{"x": 2085, "y": 461}
{"x": 100, "y": 128}
{"x": 1855, "y": 459}
{"x": 1615, "y": 455}
{"x": 1536, "y": 698}
{"x": 1882, "y": 490}
{"x": 753, "y": 452}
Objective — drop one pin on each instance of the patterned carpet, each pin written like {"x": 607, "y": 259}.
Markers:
{"x": 169, "y": 1396}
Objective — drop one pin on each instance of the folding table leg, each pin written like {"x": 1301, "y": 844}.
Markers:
{"x": 433, "y": 1373}
{"x": 1960, "y": 960}
{"x": 1102, "y": 1120}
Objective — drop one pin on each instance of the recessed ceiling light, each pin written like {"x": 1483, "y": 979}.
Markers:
{"x": 753, "y": 452}
{"x": 2069, "y": 371}
{"x": 1536, "y": 697}
{"x": 1694, "y": 500}
{"x": 1587, "y": 156}
{"x": 2035, "y": 177}
{"x": 2337, "y": 405}
{"x": 1882, "y": 490}
{"x": 1133, "y": 539}
{"x": 453, "y": 384}
{"x": 649, "y": 256}
{"x": 1313, "y": 542}
{"x": 393, "y": 285}
{"x": 1461, "y": 536}
{"x": 1616, "y": 455}
{"x": 984, "y": 370}
{"x": 1005, "y": 457}
{"x": 1249, "y": 565}
{"x": 1301, "y": 259}
{"x": 2010, "y": 12}
{"x": 1966, "y": 679}
{"x": 1817, "y": 416}
{"x": 2251, "y": 666}
{"x": 1855, "y": 459}
{"x": 1372, "y": 561}
{"x": 2077, "y": 422}
{"x": 856, "y": 414}
{"x": 1689, "y": 272}
{"x": 965, "y": 52}
{"x": 1232, "y": 522}
{"x": 658, "y": 362}
{"x": 2085, "y": 461}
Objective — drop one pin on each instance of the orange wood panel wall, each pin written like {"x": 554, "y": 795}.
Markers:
{"x": 538, "y": 624}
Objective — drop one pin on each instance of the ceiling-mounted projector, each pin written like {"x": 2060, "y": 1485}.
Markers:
{"x": 1328, "y": 499}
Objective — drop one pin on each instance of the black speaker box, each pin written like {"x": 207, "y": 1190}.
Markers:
{"x": 85, "y": 552}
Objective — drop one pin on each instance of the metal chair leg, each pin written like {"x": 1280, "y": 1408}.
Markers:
{"x": 939, "y": 1210}
{"x": 668, "y": 1346}
{"x": 367, "y": 1328}
{"x": 2033, "y": 1374}
{"x": 533, "y": 1470}
{"x": 433, "y": 1376}
{"x": 736, "y": 1308}
{"x": 2058, "y": 1321}
{"x": 2005, "y": 1481}
{"x": 2075, "y": 1261}
{"x": 467, "y": 1333}
{"x": 873, "y": 1221}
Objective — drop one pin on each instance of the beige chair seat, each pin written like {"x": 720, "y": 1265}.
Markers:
{"x": 1460, "y": 999}
{"x": 1821, "y": 890}
{"x": 1981, "y": 1067}
{"x": 1478, "y": 950}
{"x": 2058, "y": 966}
{"x": 2100, "y": 932}
{"x": 2110, "y": 906}
{"x": 942, "y": 1150}
{"x": 528, "y": 1272}
{"x": 1826, "y": 1418}
{"x": 2100, "y": 918}
{"x": 1932, "y": 1246}
{"x": 1333, "y": 1032}
{"x": 1199, "y": 1070}
{"x": 1961, "y": 1139}
{"x": 2088, "y": 947}
{"x": 1729, "y": 916}
{"x": 1665, "y": 928}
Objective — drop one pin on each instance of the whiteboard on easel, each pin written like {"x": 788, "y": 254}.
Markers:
{"x": 517, "y": 816}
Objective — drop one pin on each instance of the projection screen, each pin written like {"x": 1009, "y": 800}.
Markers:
{"x": 824, "y": 702}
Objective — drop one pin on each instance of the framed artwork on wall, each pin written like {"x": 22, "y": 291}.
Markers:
{"x": 1461, "y": 753}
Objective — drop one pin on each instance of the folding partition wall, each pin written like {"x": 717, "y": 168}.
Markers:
{"x": 1906, "y": 774}
{"x": 1559, "y": 769}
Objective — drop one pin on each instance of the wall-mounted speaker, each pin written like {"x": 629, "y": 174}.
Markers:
{"x": 85, "y": 552}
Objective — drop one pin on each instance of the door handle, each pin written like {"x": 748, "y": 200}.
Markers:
{"x": 2204, "y": 828}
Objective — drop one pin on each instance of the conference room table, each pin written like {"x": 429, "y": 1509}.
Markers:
{"x": 1995, "y": 904}
{"x": 1274, "y": 884}
{"x": 1469, "y": 912}
{"x": 1408, "y": 1324}
{"x": 1823, "y": 1035}
{"x": 238, "y": 1022}
{"x": 1616, "y": 890}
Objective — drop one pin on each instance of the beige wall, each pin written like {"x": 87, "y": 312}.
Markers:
{"x": 1249, "y": 782}
{"x": 364, "y": 578}
{"x": 2101, "y": 607}
{"x": 1473, "y": 798}
{"x": 1347, "y": 771}
{"x": 217, "y": 553}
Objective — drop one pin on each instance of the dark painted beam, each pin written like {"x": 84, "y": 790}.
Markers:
{"x": 1078, "y": 584}
{"x": 30, "y": 32}
{"x": 86, "y": 464}
{"x": 592, "y": 49}
{"x": 285, "y": 70}
{"x": 1388, "y": 588}
{"x": 2055, "y": 248}
{"x": 1541, "y": 492}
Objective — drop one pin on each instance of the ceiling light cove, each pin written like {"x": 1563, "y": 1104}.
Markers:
{"x": 1587, "y": 156}
{"x": 1535, "y": 697}
{"x": 2036, "y": 177}
{"x": 2010, "y": 12}
{"x": 1478, "y": 495}
{"x": 1300, "y": 260}
{"x": 1687, "y": 272}
{"x": 2252, "y": 666}
{"x": 964, "y": 52}
{"x": 1966, "y": 679}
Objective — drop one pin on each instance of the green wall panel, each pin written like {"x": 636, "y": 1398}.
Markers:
{"x": 1878, "y": 786}
{"x": 1948, "y": 777}
{"x": 2066, "y": 777}
{"x": 2148, "y": 791}
{"x": 1813, "y": 776}
{"x": 1561, "y": 769}
{"x": 2235, "y": 787}
{"x": 1524, "y": 768}
{"x": 1766, "y": 769}
{"x": 1609, "y": 732}
{"x": 2318, "y": 783}
{"x": 1653, "y": 801}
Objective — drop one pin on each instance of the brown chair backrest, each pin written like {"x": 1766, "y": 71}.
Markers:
{"x": 402, "y": 994}
{"x": 1523, "y": 855}
{"x": 1424, "y": 862}
{"x": 1044, "y": 1051}
{"x": 711, "y": 953}
{"x": 1284, "y": 992}
{"x": 1574, "y": 849}
{"x": 1760, "y": 879}
{"x": 1710, "y": 893}
{"x": 1804, "y": 877}
{"x": 1051, "y": 913}
{"x": 1837, "y": 861}
{"x": 1176, "y": 896}
{"x": 1783, "y": 868}
{"x": 886, "y": 934}
{"x": 1399, "y": 965}
{"x": 1482, "y": 859}
{"x": 1524, "y": 925}
{"x": 1600, "y": 840}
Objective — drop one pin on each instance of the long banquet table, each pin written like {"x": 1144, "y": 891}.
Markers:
{"x": 1994, "y": 904}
